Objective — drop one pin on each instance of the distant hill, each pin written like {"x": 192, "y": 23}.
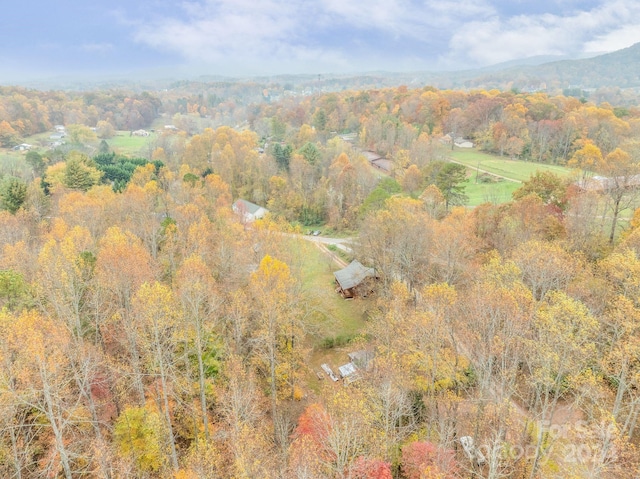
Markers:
{"x": 617, "y": 69}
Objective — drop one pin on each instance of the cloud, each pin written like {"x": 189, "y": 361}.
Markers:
{"x": 219, "y": 29}
{"x": 328, "y": 34}
{"x": 294, "y": 36}
{"x": 605, "y": 27}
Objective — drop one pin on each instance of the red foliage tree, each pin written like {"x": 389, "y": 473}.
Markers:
{"x": 371, "y": 469}
{"x": 425, "y": 460}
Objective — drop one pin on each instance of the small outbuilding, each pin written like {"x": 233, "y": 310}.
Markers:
{"x": 359, "y": 361}
{"x": 354, "y": 280}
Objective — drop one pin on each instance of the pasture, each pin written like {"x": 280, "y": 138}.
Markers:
{"x": 516, "y": 170}
{"x": 136, "y": 146}
{"x": 497, "y": 191}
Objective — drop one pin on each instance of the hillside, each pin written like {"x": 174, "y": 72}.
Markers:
{"x": 617, "y": 69}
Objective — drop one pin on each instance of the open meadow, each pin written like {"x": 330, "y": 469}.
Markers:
{"x": 137, "y": 146}
{"x": 517, "y": 170}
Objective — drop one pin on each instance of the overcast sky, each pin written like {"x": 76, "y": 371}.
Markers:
{"x": 44, "y": 38}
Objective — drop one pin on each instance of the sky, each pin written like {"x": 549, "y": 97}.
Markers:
{"x": 128, "y": 38}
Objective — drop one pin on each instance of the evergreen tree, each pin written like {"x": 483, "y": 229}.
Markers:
{"x": 449, "y": 181}
{"x": 78, "y": 174}
{"x": 282, "y": 155}
{"x": 13, "y": 193}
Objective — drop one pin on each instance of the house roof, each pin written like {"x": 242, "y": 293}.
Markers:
{"x": 383, "y": 164}
{"x": 353, "y": 275}
{"x": 347, "y": 369}
{"x": 602, "y": 183}
{"x": 247, "y": 206}
{"x": 361, "y": 358}
{"x": 371, "y": 155}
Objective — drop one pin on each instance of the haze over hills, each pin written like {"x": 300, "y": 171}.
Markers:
{"x": 619, "y": 69}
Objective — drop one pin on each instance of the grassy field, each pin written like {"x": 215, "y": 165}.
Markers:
{"x": 497, "y": 192}
{"x": 513, "y": 169}
{"x": 12, "y": 163}
{"x": 334, "y": 321}
{"x": 334, "y": 316}
{"x": 126, "y": 144}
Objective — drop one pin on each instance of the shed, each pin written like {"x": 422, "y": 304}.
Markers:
{"x": 361, "y": 358}
{"x": 353, "y": 277}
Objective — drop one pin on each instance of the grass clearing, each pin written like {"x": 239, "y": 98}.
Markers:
{"x": 13, "y": 163}
{"x": 514, "y": 169}
{"x": 336, "y": 316}
{"x": 336, "y": 322}
{"x": 126, "y": 144}
{"x": 495, "y": 192}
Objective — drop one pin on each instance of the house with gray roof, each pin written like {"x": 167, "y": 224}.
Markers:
{"x": 248, "y": 211}
{"x": 353, "y": 280}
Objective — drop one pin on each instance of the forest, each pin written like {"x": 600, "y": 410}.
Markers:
{"x": 148, "y": 330}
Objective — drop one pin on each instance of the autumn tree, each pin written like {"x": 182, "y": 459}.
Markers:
{"x": 8, "y": 135}
{"x": 105, "y": 130}
{"x": 545, "y": 267}
{"x": 558, "y": 353}
{"x": 157, "y": 319}
{"x": 551, "y": 189}
{"x": 278, "y": 327}
{"x": 199, "y": 305}
{"x": 425, "y": 460}
{"x": 411, "y": 179}
{"x": 337, "y": 434}
{"x": 586, "y": 159}
{"x": 397, "y": 242}
{"x": 122, "y": 266}
{"x": 36, "y": 375}
{"x": 80, "y": 134}
{"x": 621, "y": 172}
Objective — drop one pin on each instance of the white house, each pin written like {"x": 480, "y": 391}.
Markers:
{"x": 249, "y": 211}
{"x": 22, "y": 147}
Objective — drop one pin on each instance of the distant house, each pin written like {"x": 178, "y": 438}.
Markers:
{"x": 446, "y": 139}
{"x": 354, "y": 280}
{"x": 459, "y": 141}
{"x": 603, "y": 183}
{"x": 140, "y": 133}
{"x": 22, "y": 147}
{"x": 349, "y": 137}
{"x": 59, "y": 128}
{"x": 249, "y": 211}
{"x": 57, "y": 136}
{"x": 462, "y": 143}
{"x": 170, "y": 127}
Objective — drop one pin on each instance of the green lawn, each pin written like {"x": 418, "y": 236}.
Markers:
{"x": 126, "y": 144}
{"x": 12, "y": 163}
{"x": 497, "y": 192}
{"x": 515, "y": 169}
{"x": 333, "y": 315}
{"x": 123, "y": 142}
